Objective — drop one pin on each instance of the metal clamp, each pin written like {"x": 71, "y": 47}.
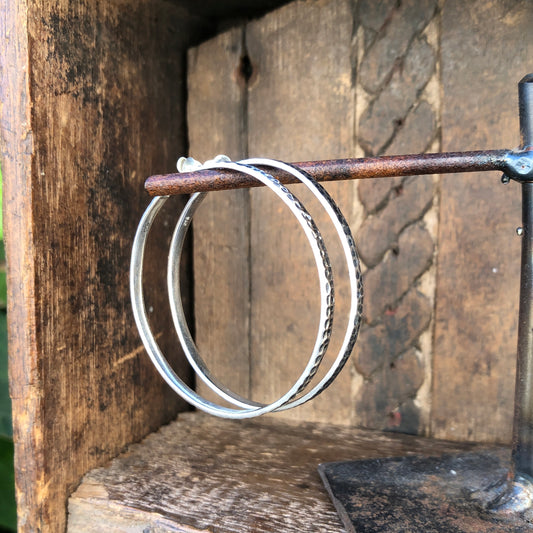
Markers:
{"x": 518, "y": 165}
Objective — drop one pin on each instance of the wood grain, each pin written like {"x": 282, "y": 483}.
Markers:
{"x": 17, "y": 150}
{"x": 289, "y": 106}
{"x": 300, "y": 107}
{"x": 229, "y": 476}
{"x": 479, "y": 252}
{"x": 217, "y": 125}
{"x": 299, "y": 103}
{"x": 86, "y": 115}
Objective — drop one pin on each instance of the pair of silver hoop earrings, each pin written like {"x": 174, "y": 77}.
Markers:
{"x": 298, "y": 393}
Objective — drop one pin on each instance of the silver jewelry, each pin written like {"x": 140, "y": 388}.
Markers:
{"x": 354, "y": 320}
{"x": 354, "y": 273}
{"x": 327, "y": 301}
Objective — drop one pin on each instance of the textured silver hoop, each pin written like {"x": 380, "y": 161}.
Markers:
{"x": 157, "y": 357}
{"x": 354, "y": 273}
{"x": 354, "y": 318}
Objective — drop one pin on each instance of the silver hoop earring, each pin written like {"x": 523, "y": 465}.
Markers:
{"x": 354, "y": 319}
{"x": 157, "y": 357}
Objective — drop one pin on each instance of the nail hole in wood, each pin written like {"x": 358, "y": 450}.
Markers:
{"x": 246, "y": 69}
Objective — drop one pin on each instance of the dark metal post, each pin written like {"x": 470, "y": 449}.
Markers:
{"x": 522, "y": 457}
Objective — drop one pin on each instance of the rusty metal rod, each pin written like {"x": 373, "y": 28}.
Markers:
{"x": 334, "y": 170}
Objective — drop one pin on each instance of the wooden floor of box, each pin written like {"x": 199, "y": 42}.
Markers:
{"x": 201, "y": 473}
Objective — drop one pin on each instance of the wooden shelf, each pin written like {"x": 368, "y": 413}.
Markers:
{"x": 205, "y": 474}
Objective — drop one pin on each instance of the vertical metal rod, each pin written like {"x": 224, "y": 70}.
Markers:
{"x": 525, "y": 107}
{"x": 523, "y": 419}
{"x": 522, "y": 456}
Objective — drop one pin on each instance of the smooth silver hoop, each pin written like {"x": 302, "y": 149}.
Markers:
{"x": 325, "y": 278}
{"x": 139, "y": 310}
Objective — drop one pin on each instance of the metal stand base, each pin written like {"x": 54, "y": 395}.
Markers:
{"x": 469, "y": 492}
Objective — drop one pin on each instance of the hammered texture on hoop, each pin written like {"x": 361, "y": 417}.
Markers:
{"x": 354, "y": 271}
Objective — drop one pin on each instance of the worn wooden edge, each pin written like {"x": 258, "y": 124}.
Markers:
{"x": 117, "y": 518}
{"x": 60, "y": 432}
{"x": 17, "y": 161}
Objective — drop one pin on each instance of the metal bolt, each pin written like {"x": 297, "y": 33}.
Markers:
{"x": 519, "y": 231}
{"x": 523, "y": 165}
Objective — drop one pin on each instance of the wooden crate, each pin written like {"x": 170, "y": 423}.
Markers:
{"x": 204, "y": 474}
{"x": 93, "y": 101}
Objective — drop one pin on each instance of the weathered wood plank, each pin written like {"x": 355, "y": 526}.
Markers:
{"x": 216, "y": 118}
{"x": 486, "y": 50}
{"x": 87, "y": 113}
{"x": 205, "y": 474}
{"x": 17, "y": 149}
{"x": 301, "y": 106}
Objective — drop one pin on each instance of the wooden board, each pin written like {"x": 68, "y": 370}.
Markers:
{"x": 398, "y": 106}
{"x": 323, "y": 78}
{"x": 479, "y": 251}
{"x": 205, "y": 474}
{"x": 217, "y": 125}
{"x": 300, "y": 108}
{"x": 87, "y": 114}
{"x": 290, "y": 107}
